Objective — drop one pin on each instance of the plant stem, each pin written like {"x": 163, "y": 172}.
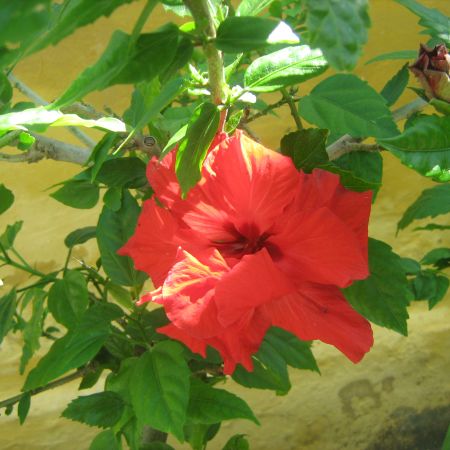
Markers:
{"x": 67, "y": 379}
{"x": 292, "y": 107}
{"x": 146, "y": 11}
{"x": 204, "y": 23}
{"x": 28, "y": 269}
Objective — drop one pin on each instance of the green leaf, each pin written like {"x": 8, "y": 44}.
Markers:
{"x": 6, "y": 91}
{"x": 431, "y": 203}
{"x": 6, "y": 198}
{"x": 401, "y": 54}
{"x": 126, "y": 172}
{"x": 152, "y": 54}
{"x": 306, "y": 148}
{"x": 291, "y": 65}
{"x": 396, "y": 85}
{"x": 360, "y": 170}
{"x": 424, "y": 146}
{"x": 79, "y": 236}
{"x": 24, "y": 407}
{"x": 243, "y": 34}
{"x": 68, "y": 299}
{"x": 295, "y": 352}
{"x": 106, "y": 440}
{"x": 193, "y": 148}
{"x": 142, "y": 97}
{"x": 113, "y": 198}
{"x": 252, "y": 7}
{"x": 160, "y": 388}
{"x": 383, "y": 297}
{"x": 103, "y": 409}
{"x": 237, "y": 442}
{"x": 440, "y": 106}
{"x": 436, "y": 257}
{"x": 233, "y": 121}
{"x": 9, "y": 235}
{"x": 433, "y": 226}
{"x": 77, "y": 347}
{"x": 53, "y": 118}
{"x": 77, "y": 194}
{"x": 446, "y": 444}
{"x": 436, "y": 23}
{"x": 33, "y": 328}
{"x": 120, "y": 295}
{"x": 99, "y": 153}
{"x": 424, "y": 285}
{"x": 345, "y": 104}
{"x": 208, "y": 405}
{"x": 339, "y": 29}
{"x": 442, "y": 285}
{"x": 99, "y": 76}
{"x": 113, "y": 231}
{"x": 8, "y": 304}
{"x": 410, "y": 266}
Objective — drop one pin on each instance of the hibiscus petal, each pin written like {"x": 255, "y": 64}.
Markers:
{"x": 255, "y": 280}
{"x": 153, "y": 247}
{"x": 248, "y": 182}
{"x": 188, "y": 293}
{"x": 321, "y": 312}
{"x": 317, "y": 246}
{"x": 194, "y": 344}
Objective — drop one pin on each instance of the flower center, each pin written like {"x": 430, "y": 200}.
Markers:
{"x": 247, "y": 241}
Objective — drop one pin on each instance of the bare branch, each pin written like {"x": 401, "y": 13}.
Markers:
{"x": 45, "y": 147}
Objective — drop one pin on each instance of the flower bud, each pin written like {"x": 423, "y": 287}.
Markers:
{"x": 432, "y": 69}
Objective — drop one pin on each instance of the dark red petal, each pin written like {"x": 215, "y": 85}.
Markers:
{"x": 255, "y": 280}
{"x": 317, "y": 246}
{"x": 153, "y": 246}
{"x": 321, "y": 312}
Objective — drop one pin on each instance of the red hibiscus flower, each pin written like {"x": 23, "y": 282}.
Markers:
{"x": 255, "y": 244}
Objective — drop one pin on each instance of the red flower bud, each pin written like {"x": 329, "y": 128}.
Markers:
{"x": 432, "y": 69}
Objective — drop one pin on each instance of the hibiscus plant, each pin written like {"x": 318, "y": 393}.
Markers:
{"x": 218, "y": 257}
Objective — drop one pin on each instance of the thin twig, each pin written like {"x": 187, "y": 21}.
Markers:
{"x": 294, "y": 113}
{"x": 64, "y": 380}
{"x": 22, "y": 87}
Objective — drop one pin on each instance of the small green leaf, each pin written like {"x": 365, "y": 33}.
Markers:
{"x": 233, "y": 121}
{"x": 306, "y": 148}
{"x": 439, "y": 257}
{"x": 160, "y": 388}
{"x": 77, "y": 347}
{"x": 120, "y": 295}
{"x": 295, "y": 352}
{"x": 8, "y": 304}
{"x": 99, "y": 153}
{"x": 424, "y": 146}
{"x": 252, "y": 7}
{"x": 26, "y": 140}
{"x": 339, "y": 28}
{"x": 126, "y": 172}
{"x": 106, "y": 440}
{"x": 345, "y": 104}
{"x": 237, "y": 442}
{"x": 103, "y": 409}
{"x": 401, "y": 54}
{"x": 243, "y": 34}
{"x": 68, "y": 298}
{"x": 193, "y": 148}
{"x": 436, "y": 23}
{"x": 6, "y": 198}
{"x": 113, "y": 198}
{"x": 5, "y": 90}
{"x": 431, "y": 203}
{"x": 410, "y": 266}
{"x": 396, "y": 85}
{"x": 33, "y": 328}
{"x": 208, "y": 405}
{"x": 442, "y": 285}
{"x": 113, "y": 231}
{"x": 383, "y": 297}
{"x": 9, "y": 235}
{"x": 24, "y": 407}
{"x": 441, "y": 106}
{"x": 77, "y": 194}
{"x": 291, "y": 65}
{"x": 432, "y": 226}
{"x": 79, "y": 236}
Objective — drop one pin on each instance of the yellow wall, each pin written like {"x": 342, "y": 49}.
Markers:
{"x": 344, "y": 408}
